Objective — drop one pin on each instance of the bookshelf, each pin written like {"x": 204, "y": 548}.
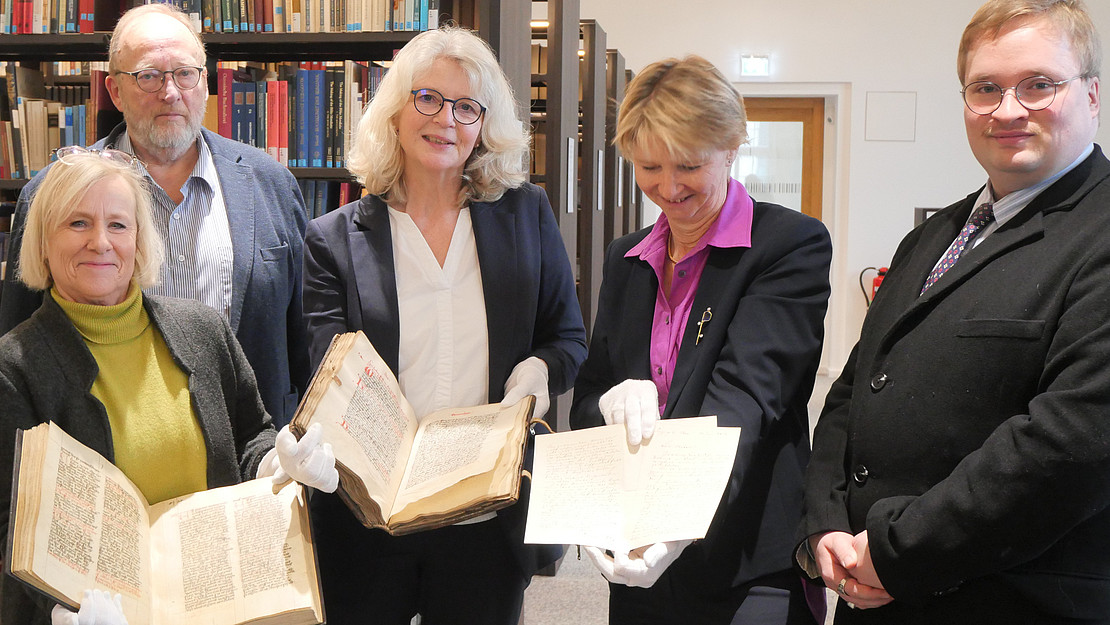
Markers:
{"x": 591, "y": 202}
{"x": 501, "y": 22}
{"x": 555, "y": 118}
{"x": 615, "y": 199}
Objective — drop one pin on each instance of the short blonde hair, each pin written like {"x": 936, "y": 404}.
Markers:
{"x": 1069, "y": 16}
{"x": 500, "y": 155}
{"x": 57, "y": 198}
{"x": 128, "y": 22}
{"x": 686, "y": 105}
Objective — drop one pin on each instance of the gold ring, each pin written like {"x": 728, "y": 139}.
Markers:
{"x": 840, "y": 586}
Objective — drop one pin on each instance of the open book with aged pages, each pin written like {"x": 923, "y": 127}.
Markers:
{"x": 402, "y": 473}
{"x": 237, "y": 554}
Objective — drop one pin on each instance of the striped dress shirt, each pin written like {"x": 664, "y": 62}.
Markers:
{"x": 196, "y": 235}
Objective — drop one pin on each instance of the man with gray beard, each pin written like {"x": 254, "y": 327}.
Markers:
{"x": 232, "y": 218}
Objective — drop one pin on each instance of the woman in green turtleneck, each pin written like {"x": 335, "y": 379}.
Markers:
{"x": 158, "y": 386}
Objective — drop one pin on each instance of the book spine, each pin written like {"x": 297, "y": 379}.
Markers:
{"x": 318, "y": 124}
{"x": 302, "y": 116}
{"x": 18, "y": 170}
{"x": 239, "y": 111}
{"x": 258, "y": 16}
{"x": 244, "y": 16}
{"x": 224, "y": 96}
{"x": 260, "y": 124}
{"x": 341, "y": 127}
{"x": 283, "y": 122}
{"x": 320, "y": 204}
{"x": 329, "y": 122}
{"x": 5, "y": 151}
{"x": 226, "y": 11}
{"x": 273, "y": 144}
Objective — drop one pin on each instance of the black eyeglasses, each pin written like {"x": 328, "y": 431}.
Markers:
{"x": 429, "y": 102}
{"x": 151, "y": 80}
{"x": 1035, "y": 93}
{"x": 71, "y": 154}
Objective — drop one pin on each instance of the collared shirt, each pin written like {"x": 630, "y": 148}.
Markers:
{"x": 443, "y": 357}
{"x": 732, "y": 228}
{"x": 196, "y": 235}
{"x": 1013, "y": 203}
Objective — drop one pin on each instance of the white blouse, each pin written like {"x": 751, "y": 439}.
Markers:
{"x": 443, "y": 359}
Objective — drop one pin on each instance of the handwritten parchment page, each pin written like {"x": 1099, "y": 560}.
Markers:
{"x": 590, "y": 488}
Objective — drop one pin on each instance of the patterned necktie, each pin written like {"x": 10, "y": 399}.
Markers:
{"x": 979, "y": 219}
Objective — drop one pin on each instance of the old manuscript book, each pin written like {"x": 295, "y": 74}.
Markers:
{"x": 401, "y": 473}
{"x": 224, "y": 556}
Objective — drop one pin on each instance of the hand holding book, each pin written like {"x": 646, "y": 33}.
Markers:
{"x": 97, "y": 606}
{"x": 529, "y": 377}
{"x": 308, "y": 461}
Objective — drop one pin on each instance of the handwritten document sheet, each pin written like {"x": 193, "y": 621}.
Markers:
{"x": 590, "y": 488}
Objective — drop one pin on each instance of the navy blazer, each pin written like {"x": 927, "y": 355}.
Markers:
{"x": 531, "y": 305}
{"x": 753, "y": 368}
{"x": 969, "y": 433}
{"x": 266, "y": 216}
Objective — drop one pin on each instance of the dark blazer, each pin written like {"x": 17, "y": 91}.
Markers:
{"x": 47, "y": 373}
{"x": 970, "y": 431}
{"x": 266, "y": 215}
{"x": 531, "y": 306}
{"x": 753, "y": 368}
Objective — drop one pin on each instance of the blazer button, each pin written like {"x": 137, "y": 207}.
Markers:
{"x": 879, "y": 381}
{"x": 860, "y": 475}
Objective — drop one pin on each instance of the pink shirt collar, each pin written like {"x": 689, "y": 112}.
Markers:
{"x": 733, "y": 228}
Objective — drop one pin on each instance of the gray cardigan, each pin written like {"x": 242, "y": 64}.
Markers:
{"x": 46, "y": 373}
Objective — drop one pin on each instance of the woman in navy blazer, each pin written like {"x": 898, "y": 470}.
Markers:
{"x": 449, "y": 227}
{"x": 716, "y": 310}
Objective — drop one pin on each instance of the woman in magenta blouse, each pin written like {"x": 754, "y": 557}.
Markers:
{"x": 717, "y": 309}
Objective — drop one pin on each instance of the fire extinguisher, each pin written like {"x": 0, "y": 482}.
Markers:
{"x": 880, "y": 273}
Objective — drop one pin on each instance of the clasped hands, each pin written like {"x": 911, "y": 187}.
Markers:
{"x": 845, "y": 565}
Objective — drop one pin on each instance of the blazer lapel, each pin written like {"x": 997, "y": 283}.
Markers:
{"x": 236, "y": 177}
{"x": 1026, "y": 225}
{"x": 371, "y": 258}
{"x": 498, "y": 259}
{"x": 714, "y": 278}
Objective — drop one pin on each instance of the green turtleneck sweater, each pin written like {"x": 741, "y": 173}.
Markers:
{"x": 157, "y": 440}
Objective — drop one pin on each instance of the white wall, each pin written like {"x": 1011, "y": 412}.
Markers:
{"x": 841, "y": 50}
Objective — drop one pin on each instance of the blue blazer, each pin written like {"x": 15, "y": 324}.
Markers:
{"x": 531, "y": 305}
{"x": 753, "y": 368}
{"x": 266, "y": 215}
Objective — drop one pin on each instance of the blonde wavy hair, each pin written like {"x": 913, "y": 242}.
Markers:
{"x": 55, "y": 200}
{"x": 498, "y": 162}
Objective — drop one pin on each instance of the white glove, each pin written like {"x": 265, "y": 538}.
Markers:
{"x": 306, "y": 461}
{"x": 98, "y": 607}
{"x": 638, "y": 571}
{"x": 605, "y": 564}
{"x": 529, "y": 377}
{"x": 635, "y": 403}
